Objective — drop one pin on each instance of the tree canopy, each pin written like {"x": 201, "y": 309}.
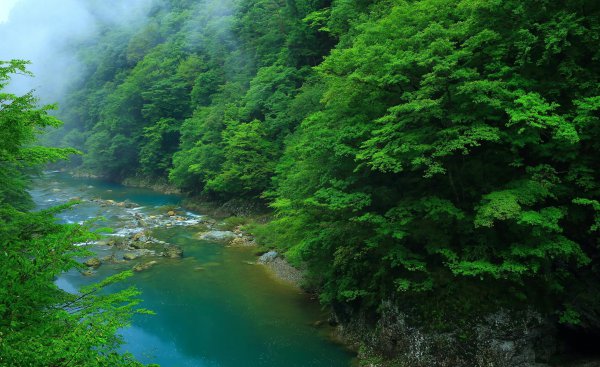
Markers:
{"x": 439, "y": 154}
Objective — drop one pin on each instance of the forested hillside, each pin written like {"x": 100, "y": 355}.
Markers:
{"x": 434, "y": 157}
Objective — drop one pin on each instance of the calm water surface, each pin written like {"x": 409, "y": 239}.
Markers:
{"x": 212, "y": 307}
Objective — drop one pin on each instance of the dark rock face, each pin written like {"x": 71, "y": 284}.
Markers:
{"x": 502, "y": 339}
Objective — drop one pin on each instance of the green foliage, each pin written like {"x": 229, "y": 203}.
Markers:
{"x": 248, "y": 163}
{"x": 456, "y": 139}
{"x": 40, "y": 324}
{"x": 411, "y": 150}
{"x": 20, "y": 122}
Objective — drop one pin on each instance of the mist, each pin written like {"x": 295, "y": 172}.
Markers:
{"x": 47, "y": 34}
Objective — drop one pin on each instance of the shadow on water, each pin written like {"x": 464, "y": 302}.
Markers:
{"x": 212, "y": 307}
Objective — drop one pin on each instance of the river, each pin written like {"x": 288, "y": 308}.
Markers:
{"x": 213, "y": 307}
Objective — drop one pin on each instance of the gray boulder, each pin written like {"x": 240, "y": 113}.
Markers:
{"x": 268, "y": 257}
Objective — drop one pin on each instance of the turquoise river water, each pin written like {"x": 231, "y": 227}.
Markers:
{"x": 213, "y": 307}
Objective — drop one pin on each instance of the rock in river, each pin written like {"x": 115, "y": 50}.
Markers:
{"x": 140, "y": 245}
{"x": 173, "y": 252}
{"x": 144, "y": 266}
{"x": 242, "y": 241}
{"x": 93, "y": 262}
{"x": 140, "y": 236}
{"x": 130, "y": 256}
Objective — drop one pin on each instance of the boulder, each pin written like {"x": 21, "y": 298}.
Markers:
{"x": 241, "y": 242}
{"x": 140, "y": 237}
{"x": 130, "y": 256}
{"x": 93, "y": 262}
{"x": 268, "y": 257}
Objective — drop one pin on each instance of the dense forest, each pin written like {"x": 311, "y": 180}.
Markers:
{"x": 429, "y": 163}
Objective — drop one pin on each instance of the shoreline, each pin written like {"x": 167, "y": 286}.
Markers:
{"x": 278, "y": 268}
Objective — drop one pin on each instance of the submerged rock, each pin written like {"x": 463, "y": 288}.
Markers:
{"x": 130, "y": 205}
{"x": 107, "y": 258}
{"x": 210, "y": 264}
{"x": 144, "y": 266}
{"x": 173, "y": 252}
{"x": 93, "y": 262}
{"x": 140, "y": 245}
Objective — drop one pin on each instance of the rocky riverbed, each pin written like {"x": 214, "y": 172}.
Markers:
{"x": 134, "y": 242}
{"x": 133, "y": 239}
